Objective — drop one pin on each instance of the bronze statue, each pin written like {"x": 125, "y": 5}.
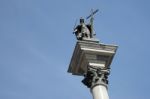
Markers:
{"x": 82, "y": 30}
{"x": 85, "y": 31}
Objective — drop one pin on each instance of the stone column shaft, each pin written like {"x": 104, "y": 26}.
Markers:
{"x": 99, "y": 92}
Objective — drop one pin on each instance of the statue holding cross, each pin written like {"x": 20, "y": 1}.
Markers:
{"x": 85, "y": 31}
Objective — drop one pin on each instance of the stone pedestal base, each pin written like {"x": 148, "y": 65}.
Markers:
{"x": 91, "y": 53}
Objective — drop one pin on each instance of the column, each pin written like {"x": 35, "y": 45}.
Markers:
{"x": 96, "y": 80}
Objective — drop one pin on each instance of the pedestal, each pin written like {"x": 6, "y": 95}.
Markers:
{"x": 91, "y": 53}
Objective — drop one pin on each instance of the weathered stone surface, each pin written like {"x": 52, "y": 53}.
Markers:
{"x": 91, "y": 53}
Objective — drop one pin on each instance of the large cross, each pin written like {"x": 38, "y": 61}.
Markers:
{"x": 92, "y": 13}
{"x": 91, "y": 21}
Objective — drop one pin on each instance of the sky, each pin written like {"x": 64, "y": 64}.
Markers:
{"x": 36, "y": 46}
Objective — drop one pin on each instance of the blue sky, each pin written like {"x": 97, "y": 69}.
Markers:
{"x": 36, "y": 45}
